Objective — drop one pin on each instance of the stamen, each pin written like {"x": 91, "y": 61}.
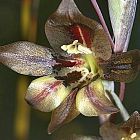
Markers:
{"x": 84, "y": 73}
{"x": 76, "y": 48}
{"x": 134, "y": 135}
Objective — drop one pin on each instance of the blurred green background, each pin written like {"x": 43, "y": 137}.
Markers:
{"x": 11, "y": 105}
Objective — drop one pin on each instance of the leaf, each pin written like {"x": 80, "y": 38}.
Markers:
{"x": 27, "y": 58}
{"x": 46, "y": 93}
{"x": 65, "y": 113}
{"x": 122, "y": 14}
{"x": 123, "y": 67}
{"x": 91, "y": 100}
{"x": 68, "y": 24}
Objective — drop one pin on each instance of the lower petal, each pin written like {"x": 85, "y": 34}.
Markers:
{"x": 46, "y": 93}
{"x": 65, "y": 113}
{"x": 91, "y": 100}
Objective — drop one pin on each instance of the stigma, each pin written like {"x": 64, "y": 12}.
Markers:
{"x": 76, "y": 48}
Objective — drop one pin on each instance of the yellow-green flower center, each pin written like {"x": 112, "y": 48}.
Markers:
{"x": 90, "y": 69}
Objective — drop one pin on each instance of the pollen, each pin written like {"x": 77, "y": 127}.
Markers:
{"x": 76, "y": 48}
{"x": 134, "y": 135}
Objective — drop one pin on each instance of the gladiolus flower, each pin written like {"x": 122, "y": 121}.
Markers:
{"x": 72, "y": 69}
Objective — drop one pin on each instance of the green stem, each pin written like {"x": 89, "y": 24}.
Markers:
{"x": 92, "y": 63}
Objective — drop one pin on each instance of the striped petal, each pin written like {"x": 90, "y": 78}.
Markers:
{"x": 46, "y": 93}
{"x": 123, "y": 67}
{"x": 91, "y": 100}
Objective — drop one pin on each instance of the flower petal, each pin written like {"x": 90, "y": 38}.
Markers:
{"x": 123, "y": 67}
{"x": 65, "y": 113}
{"x": 122, "y": 14}
{"x": 68, "y": 24}
{"x": 133, "y": 123}
{"x": 91, "y": 100}
{"x": 27, "y": 58}
{"x": 46, "y": 93}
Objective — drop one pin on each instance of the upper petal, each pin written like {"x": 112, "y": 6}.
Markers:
{"x": 46, "y": 93}
{"x": 68, "y": 24}
{"x": 91, "y": 100}
{"x": 27, "y": 58}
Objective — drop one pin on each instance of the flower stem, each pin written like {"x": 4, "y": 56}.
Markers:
{"x": 122, "y": 91}
{"x": 99, "y": 13}
{"x": 119, "y": 104}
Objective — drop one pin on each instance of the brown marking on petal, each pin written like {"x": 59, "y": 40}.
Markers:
{"x": 72, "y": 77}
{"x": 122, "y": 67}
{"x": 81, "y": 33}
{"x": 100, "y": 106}
{"x": 64, "y": 63}
{"x": 49, "y": 88}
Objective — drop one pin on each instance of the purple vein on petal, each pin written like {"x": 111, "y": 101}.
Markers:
{"x": 64, "y": 113}
{"x": 48, "y": 90}
{"x": 70, "y": 98}
{"x": 97, "y": 103}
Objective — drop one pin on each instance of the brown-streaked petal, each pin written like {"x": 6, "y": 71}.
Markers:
{"x": 123, "y": 67}
{"x": 91, "y": 100}
{"x": 46, "y": 93}
{"x": 132, "y": 124}
{"x": 68, "y": 24}
{"x": 65, "y": 113}
{"x": 70, "y": 77}
{"x": 27, "y": 58}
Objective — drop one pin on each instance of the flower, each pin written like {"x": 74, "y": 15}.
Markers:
{"x": 128, "y": 130}
{"x": 72, "y": 69}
